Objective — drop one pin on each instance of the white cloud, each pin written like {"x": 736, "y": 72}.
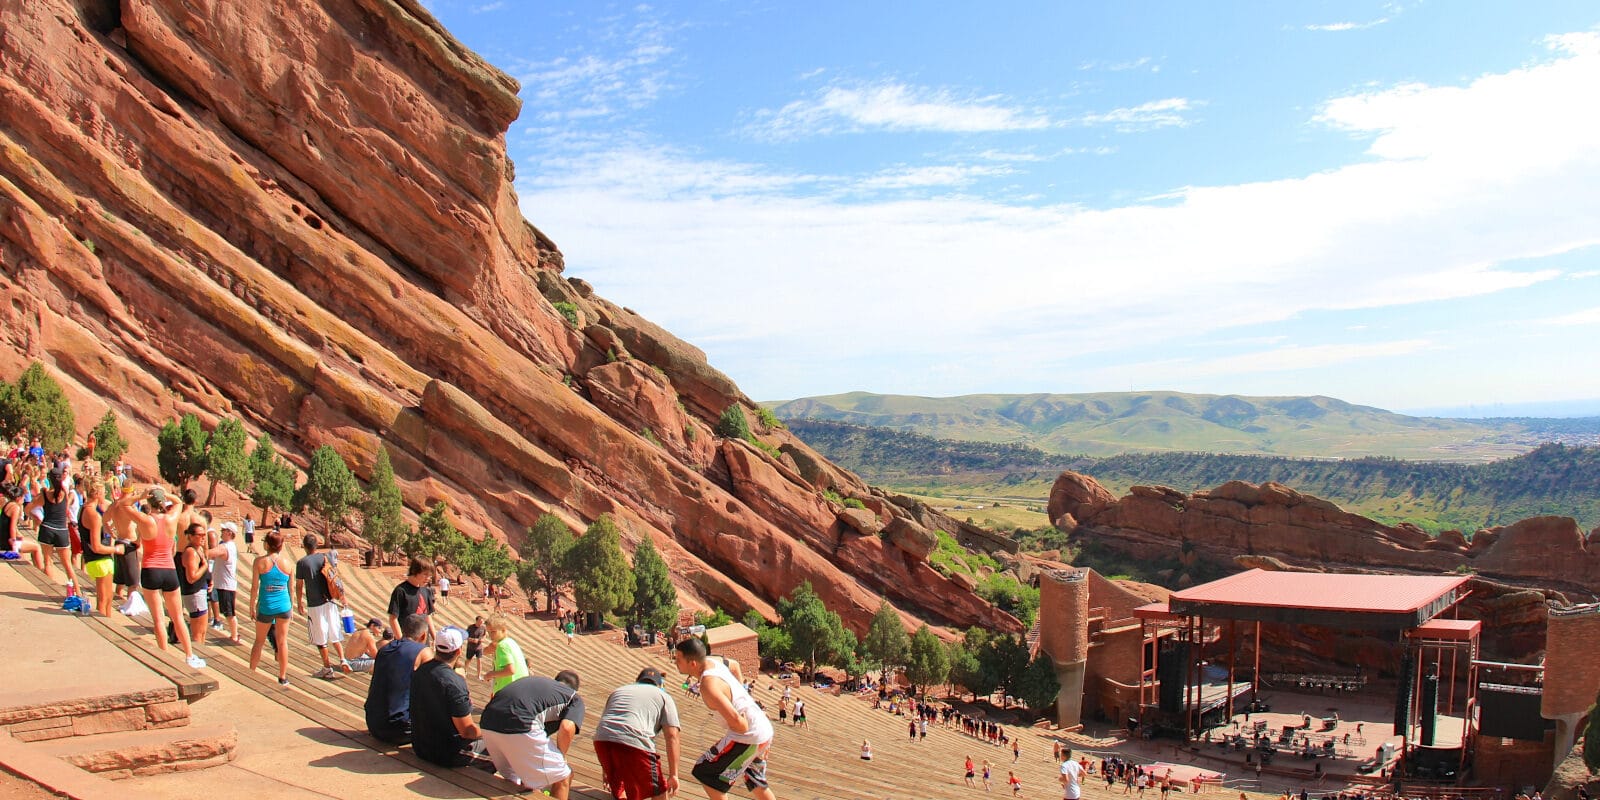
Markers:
{"x": 966, "y": 294}
{"x": 892, "y": 106}
{"x": 1589, "y": 316}
{"x": 1588, "y": 273}
{"x": 1347, "y": 26}
{"x": 1121, "y": 66}
{"x": 487, "y": 7}
{"x": 1166, "y": 113}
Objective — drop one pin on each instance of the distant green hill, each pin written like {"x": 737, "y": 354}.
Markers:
{"x": 1552, "y": 479}
{"x": 1109, "y": 423}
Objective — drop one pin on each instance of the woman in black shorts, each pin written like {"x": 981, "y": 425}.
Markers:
{"x": 158, "y": 573}
{"x": 51, "y": 497}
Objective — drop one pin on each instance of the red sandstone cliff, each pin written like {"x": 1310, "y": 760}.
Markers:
{"x": 1273, "y": 520}
{"x": 302, "y": 213}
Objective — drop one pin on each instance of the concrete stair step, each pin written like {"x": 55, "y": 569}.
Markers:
{"x": 57, "y": 711}
{"x": 126, "y": 754}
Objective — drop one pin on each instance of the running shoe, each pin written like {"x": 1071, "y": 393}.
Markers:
{"x": 284, "y": 682}
{"x": 196, "y": 662}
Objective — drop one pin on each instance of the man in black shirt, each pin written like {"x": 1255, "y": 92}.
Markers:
{"x": 388, "y": 706}
{"x": 527, "y": 728}
{"x": 442, "y": 730}
{"x": 414, "y": 595}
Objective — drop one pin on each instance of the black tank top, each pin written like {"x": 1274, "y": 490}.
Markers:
{"x": 199, "y": 584}
{"x": 5, "y": 527}
{"x": 55, "y": 513}
{"x": 105, "y": 540}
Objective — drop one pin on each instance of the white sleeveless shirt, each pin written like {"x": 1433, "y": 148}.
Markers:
{"x": 758, "y": 728}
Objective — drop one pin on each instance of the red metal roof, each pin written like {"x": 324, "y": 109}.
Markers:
{"x": 1464, "y": 630}
{"x": 1377, "y": 594}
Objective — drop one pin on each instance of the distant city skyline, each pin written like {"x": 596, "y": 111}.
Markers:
{"x": 1391, "y": 203}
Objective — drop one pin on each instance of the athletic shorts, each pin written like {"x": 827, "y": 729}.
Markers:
{"x": 630, "y": 772}
{"x": 728, "y": 761}
{"x": 474, "y": 651}
{"x": 225, "y": 602}
{"x": 527, "y": 759}
{"x": 100, "y": 567}
{"x": 53, "y": 537}
{"x": 195, "y": 604}
{"x": 325, "y": 625}
{"x": 159, "y": 579}
{"x": 271, "y": 618}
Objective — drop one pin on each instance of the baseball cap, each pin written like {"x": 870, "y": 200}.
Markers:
{"x": 158, "y": 496}
{"x": 374, "y": 621}
{"x": 228, "y": 526}
{"x": 448, "y": 641}
{"x": 651, "y": 675}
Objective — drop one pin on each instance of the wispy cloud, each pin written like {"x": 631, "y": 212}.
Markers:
{"x": 1346, "y": 26}
{"x": 1121, "y": 66}
{"x": 1589, "y": 316}
{"x": 1588, "y": 273}
{"x": 925, "y": 177}
{"x": 588, "y": 85}
{"x": 487, "y": 7}
{"x": 1279, "y": 359}
{"x": 1167, "y": 113}
{"x": 893, "y": 106}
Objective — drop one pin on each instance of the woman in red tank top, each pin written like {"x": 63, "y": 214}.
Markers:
{"x": 158, "y": 573}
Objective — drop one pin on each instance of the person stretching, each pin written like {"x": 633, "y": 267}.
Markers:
{"x": 158, "y": 572}
{"x": 742, "y": 751}
{"x": 99, "y": 549}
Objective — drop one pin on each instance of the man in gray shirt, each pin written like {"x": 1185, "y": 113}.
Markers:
{"x": 624, "y": 739}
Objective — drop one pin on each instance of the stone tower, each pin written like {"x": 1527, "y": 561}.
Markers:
{"x": 1064, "y": 635}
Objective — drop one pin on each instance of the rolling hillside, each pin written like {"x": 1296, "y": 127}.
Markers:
{"x": 1551, "y": 479}
{"x": 1109, "y": 423}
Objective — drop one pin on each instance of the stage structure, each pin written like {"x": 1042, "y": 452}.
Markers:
{"x": 1189, "y": 676}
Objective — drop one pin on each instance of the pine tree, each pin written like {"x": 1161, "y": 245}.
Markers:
{"x": 271, "y": 478}
{"x": 37, "y": 403}
{"x": 818, "y": 636}
{"x": 929, "y": 662}
{"x": 655, "y": 599}
{"x": 491, "y": 560}
{"x": 886, "y": 643}
{"x": 226, "y": 461}
{"x": 330, "y": 490}
{"x": 108, "y": 442}
{"x": 733, "y": 424}
{"x": 383, "y": 522}
{"x": 544, "y": 557}
{"x": 602, "y": 581}
{"x": 434, "y": 536}
{"x": 181, "y": 450}
{"x": 1037, "y": 685}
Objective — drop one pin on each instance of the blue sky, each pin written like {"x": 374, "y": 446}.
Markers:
{"x": 1396, "y": 204}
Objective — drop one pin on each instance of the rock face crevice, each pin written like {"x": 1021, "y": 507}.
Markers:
{"x": 302, "y": 213}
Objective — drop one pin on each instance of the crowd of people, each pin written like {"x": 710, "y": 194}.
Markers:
{"x": 150, "y": 551}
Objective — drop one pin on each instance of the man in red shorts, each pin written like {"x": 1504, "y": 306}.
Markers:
{"x": 625, "y": 739}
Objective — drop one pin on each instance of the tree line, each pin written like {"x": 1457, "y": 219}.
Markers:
{"x": 985, "y": 663}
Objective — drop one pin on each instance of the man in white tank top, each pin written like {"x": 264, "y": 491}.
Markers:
{"x": 742, "y": 751}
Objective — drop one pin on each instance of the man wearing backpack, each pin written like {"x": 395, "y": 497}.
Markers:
{"x": 315, "y": 594}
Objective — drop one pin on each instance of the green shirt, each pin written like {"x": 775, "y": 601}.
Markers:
{"x": 507, "y": 653}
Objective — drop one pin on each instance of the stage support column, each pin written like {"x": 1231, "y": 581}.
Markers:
{"x": 1233, "y": 647}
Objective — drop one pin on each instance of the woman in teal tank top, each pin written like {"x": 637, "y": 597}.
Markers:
{"x": 270, "y": 600}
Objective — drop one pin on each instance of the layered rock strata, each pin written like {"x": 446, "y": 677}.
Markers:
{"x": 303, "y": 214}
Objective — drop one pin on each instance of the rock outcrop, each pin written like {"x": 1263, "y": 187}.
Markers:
{"x": 302, "y": 214}
{"x": 1272, "y": 521}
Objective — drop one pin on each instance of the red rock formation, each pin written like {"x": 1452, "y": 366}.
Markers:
{"x": 302, "y": 214}
{"x": 1301, "y": 531}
